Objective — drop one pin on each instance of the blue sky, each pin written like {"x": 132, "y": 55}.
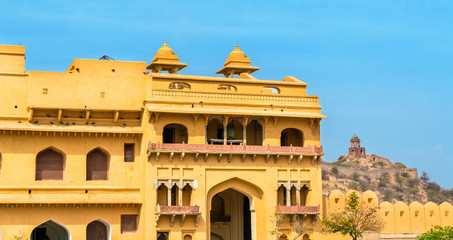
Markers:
{"x": 383, "y": 69}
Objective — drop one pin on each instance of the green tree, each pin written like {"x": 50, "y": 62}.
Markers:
{"x": 354, "y": 220}
{"x": 437, "y": 233}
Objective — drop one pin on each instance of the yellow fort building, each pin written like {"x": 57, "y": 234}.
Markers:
{"x": 111, "y": 150}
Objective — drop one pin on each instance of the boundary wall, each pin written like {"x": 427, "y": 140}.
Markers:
{"x": 399, "y": 218}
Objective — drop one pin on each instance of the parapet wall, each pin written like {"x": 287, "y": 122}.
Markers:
{"x": 399, "y": 217}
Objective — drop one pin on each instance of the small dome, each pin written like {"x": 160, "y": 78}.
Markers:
{"x": 166, "y": 60}
{"x": 237, "y": 55}
{"x": 165, "y": 51}
{"x": 237, "y": 63}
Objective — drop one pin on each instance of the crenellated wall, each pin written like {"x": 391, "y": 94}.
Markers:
{"x": 399, "y": 217}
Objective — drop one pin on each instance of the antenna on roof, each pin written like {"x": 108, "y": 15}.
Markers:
{"x": 105, "y": 57}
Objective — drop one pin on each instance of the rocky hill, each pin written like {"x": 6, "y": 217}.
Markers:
{"x": 391, "y": 182}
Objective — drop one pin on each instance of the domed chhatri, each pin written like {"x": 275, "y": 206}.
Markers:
{"x": 355, "y": 138}
{"x": 166, "y": 60}
{"x": 237, "y": 63}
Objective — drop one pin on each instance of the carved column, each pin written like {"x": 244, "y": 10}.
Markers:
{"x": 225, "y": 124}
{"x": 298, "y": 196}
{"x": 288, "y": 195}
{"x": 169, "y": 194}
{"x": 244, "y": 130}
{"x": 180, "y": 187}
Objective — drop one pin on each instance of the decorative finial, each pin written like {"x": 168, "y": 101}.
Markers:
{"x": 165, "y": 42}
{"x": 237, "y": 45}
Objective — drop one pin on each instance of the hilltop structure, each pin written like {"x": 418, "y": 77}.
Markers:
{"x": 355, "y": 151}
{"x": 129, "y": 150}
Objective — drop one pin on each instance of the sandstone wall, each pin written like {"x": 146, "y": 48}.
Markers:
{"x": 399, "y": 218}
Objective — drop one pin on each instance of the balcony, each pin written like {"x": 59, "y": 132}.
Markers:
{"x": 299, "y": 211}
{"x": 174, "y": 211}
{"x": 204, "y": 150}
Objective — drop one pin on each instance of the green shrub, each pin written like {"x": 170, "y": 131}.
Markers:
{"x": 356, "y": 176}
{"x": 388, "y": 196}
{"x": 353, "y": 185}
{"x": 334, "y": 170}
{"x": 405, "y": 175}
{"x": 437, "y": 232}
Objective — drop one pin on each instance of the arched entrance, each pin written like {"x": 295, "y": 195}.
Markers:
{"x": 234, "y": 210}
{"x": 230, "y": 216}
{"x": 50, "y": 230}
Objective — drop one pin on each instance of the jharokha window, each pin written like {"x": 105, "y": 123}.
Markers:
{"x": 97, "y": 165}
{"x": 49, "y": 165}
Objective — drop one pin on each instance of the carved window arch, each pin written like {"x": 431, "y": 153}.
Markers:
{"x": 227, "y": 87}
{"x": 50, "y": 165}
{"x": 97, "y": 165}
{"x": 270, "y": 90}
{"x": 180, "y": 86}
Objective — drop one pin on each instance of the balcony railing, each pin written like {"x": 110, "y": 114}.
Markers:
{"x": 295, "y": 212}
{"x": 308, "y": 210}
{"x": 233, "y": 148}
{"x": 315, "y": 152}
{"x": 174, "y": 211}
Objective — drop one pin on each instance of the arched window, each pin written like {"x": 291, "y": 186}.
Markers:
{"x": 98, "y": 230}
{"x": 187, "y": 237}
{"x": 229, "y": 88}
{"x": 281, "y": 196}
{"x": 162, "y": 194}
{"x": 292, "y": 136}
{"x": 49, "y": 165}
{"x": 304, "y": 195}
{"x": 179, "y": 86}
{"x": 174, "y": 133}
{"x": 175, "y": 195}
{"x": 186, "y": 195}
{"x": 270, "y": 90}
{"x": 306, "y": 237}
{"x": 283, "y": 237}
{"x": 97, "y": 165}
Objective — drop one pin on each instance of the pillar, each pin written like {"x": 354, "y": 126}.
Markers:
{"x": 288, "y": 195}
{"x": 298, "y": 196}
{"x": 179, "y": 196}
{"x": 169, "y": 195}
{"x": 244, "y": 132}
{"x": 225, "y": 124}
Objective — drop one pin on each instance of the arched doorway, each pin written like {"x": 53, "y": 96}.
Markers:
{"x": 230, "y": 216}
{"x": 174, "y": 133}
{"x": 234, "y": 190}
{"x": 98, "y": 230}
{"x": 50, "y": 230}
